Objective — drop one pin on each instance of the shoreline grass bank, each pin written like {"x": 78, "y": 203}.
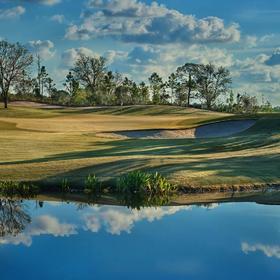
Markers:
{"x": 269, "y": 197}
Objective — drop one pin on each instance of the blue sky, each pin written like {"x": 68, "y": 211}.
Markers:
{"x": 140, "y": 37}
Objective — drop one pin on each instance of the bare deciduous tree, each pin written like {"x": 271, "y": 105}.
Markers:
{"x": 14, "y": 61}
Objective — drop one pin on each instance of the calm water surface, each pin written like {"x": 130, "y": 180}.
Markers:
{"x": 71, "y": 241}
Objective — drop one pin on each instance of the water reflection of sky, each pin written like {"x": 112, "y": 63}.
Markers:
{"x": 65, "y": 241}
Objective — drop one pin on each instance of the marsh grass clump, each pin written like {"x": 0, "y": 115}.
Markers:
{"x": 160, "y": 185}
{"x": 65, "y": 186}
{"x": 92, "y": 185}
{"x": 141, "y": 182}
{"x": 12, "y": 189}
{"x": 133, "y": 182}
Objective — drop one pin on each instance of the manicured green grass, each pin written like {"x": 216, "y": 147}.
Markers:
{"x": 48, "y": 145}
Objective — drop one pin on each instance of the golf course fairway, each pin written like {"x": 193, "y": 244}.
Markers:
{"x": 49, "y": 144}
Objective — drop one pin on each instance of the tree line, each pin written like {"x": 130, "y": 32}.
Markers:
{"x": 90, "y": 82}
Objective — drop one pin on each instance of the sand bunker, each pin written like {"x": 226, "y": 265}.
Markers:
{"x": 219, "y": 129}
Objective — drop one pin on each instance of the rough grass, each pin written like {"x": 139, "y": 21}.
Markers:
{"x": 51, "y": 144}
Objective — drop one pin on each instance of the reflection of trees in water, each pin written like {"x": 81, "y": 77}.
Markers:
{"x": 131, "y": 201}
{"x": 141, "y": 200}
{"x": 13, "y": 218}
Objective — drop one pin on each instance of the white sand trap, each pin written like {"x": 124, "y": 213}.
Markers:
{"x": 219, "y": 129}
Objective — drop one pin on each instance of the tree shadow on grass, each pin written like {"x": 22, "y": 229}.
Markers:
{"x": 180, "y": 147}
{"x": 150, "y": 148}
{"x": 105, "y": 171}
{"x": 148, "y": 110}
{"x": 259, "y": 169}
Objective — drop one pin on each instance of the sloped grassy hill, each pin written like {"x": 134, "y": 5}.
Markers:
{"x": 52, "y": 144}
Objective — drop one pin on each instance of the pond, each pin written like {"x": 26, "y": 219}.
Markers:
{"x": 58, "y": 240}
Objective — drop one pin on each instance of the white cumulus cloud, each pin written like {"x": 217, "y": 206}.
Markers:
{"x": 44, "y": 48}
{"x": 58, "y": 18}
{"x": 117, "y": 220}
{"x": 267, "y": 250}
{"x": 69, "y": 56}
{"x": 136, "y": 21}
{"x": 144, "y": 60}
{"x": 42, "y": 225}
{"x": 43, "y": 2}
{"x": 12, "y": 12}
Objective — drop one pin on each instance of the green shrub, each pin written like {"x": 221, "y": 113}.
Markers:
{"x": 133, "y": 182}
{"x": 65, "y": 187}
{"x": 92, "y": 184}
{"x": 160, "y": 185}
{"x": 141, "y": 182}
